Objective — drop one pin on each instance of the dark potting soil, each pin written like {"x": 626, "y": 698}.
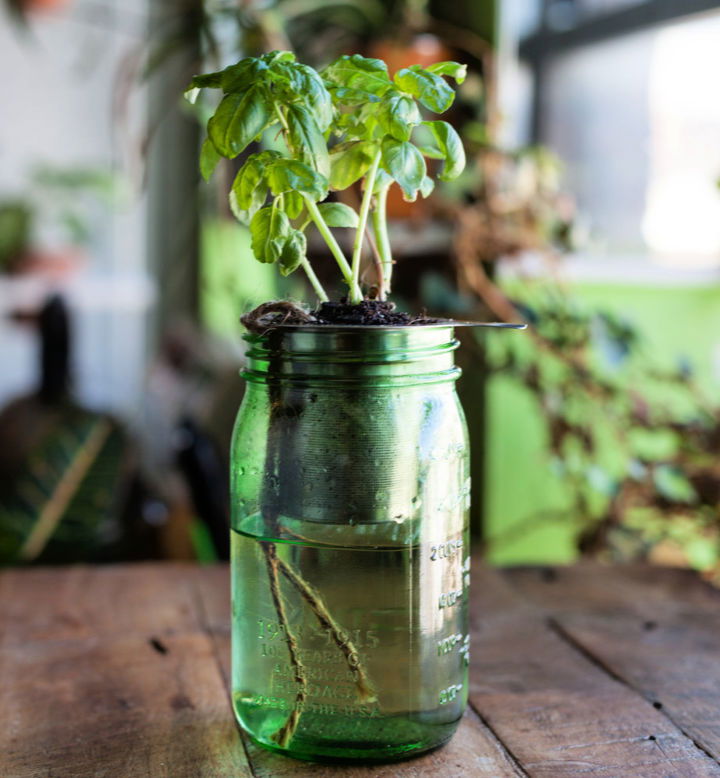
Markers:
{"x": 368, "y": 312}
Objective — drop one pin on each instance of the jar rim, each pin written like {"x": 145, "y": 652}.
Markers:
{"x": 393, "y": 327}
{"x": 353, "y": 354}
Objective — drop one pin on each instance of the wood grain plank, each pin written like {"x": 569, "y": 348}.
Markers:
{"x": 557, "y": 712}
{"x": 138, "y": 695}
{"x": 116, "y": 672}
{"x": 473, "y": 751}
{"x": 656, "y": 629}
{"x": 86, "y": 602}
{"x": 612, "y": 589}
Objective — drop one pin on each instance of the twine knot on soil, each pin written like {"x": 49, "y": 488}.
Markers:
{"x": 274, "y": 314}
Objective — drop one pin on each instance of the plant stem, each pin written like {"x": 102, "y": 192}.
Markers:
{"x": 364, "y": 210}
{"x": 314, "y": 282}
{"x": 377, "y": 261}
{"x": 355, "y": 293}
{"x": 285, "y": 126}
{"x": 379, "y": 220}
{"x": 337, "y": 252}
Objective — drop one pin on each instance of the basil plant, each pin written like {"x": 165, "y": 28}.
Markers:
{"x": 346, "y": 123}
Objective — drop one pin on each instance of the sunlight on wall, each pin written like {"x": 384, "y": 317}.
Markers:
{"x": 681, "y": 222}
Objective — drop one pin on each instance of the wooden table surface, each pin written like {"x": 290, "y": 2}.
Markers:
{"x": 122, "y": 672}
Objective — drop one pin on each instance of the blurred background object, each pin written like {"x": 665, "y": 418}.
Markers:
{"x": 68, "y": 486}
{"x": 589, "y": 208}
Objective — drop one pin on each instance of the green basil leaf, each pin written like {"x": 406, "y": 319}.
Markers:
{"x": 207, "y": 80}
{"x": 203, "y": 81}
{"x": 382, "y": 181}
{"x": 243, "y": 75}
{"x": 397, "y": 116}
{"x": 356, "y": 72}
{"x": 250, "y": 185}
{"x": 244, "y": 217}
{"x": 293, "y": 204}
{"x": 453, "y": 69}
{"x": 293, "y": 252}
{"x": 348, "y": 125}
{"x": 285, "y": 175}
{"x": 346, "y": 96}
{"x": 427, "y": 186}
{"x": 431, "y": 90}
{"x": 308, "y": 139}
{"x": 240, "y": 76}
{"x": 431, "y": 152}
{"x": 235, "y": 78}
{"x": 238, "y": 120}
{"x": 452, "y": 148}
{"x": 209, "y": 159}
{"x": 404, "y": 163}
{"x": 273, "y": 57}
{"x": 350, "y": 163}
{"x": 191, "y": 94}
{"x": 269, "y": 230}
{"x": 303, "y": 83}
{"x": 316, "y": 95}
{"x": 338, "y": 215}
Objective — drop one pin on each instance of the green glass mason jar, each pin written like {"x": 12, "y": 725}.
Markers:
{"x": 350, "y": 553}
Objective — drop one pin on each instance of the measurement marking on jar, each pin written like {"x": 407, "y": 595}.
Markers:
{"x": 464, "y": 650}
{"x": 461, "y": 642}
{"x": 449, "y": 693}
{"x": 445, "y": 550}
{"x": 446, "y": 645}
{"x": 448, "y": 599}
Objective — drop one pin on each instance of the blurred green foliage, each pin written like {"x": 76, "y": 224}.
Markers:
{"x": 624, "y": 437}
{"x": 59, "y": 197}
{"x": 15, "y": 230}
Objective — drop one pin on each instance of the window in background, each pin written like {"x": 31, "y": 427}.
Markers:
{"x": 636, "y": 119}
{"x": 598, "y": 7}
{"x": 59, "y": 112}
{"x": 596, "y": 119}
{"x": 681, "y": 215}
{"x": 561, "y": 15}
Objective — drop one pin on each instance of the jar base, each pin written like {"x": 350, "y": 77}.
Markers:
{"x": 394, "y": 739}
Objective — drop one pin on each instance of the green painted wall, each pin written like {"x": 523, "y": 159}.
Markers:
{"x": 676, "y": 322}
{"x": 232, "y": 282}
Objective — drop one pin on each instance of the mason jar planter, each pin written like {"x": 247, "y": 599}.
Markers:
{"x": 350, "y": 549}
